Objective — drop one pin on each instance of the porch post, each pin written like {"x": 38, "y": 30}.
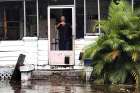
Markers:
{"x": 85, "y": 21}
{"x": 37, "y": 13}
{"x": 99, "y": 17}
{"x": 132, "y": 1}
{"x": 24, "y": 5}
{"x": 75, "y": 19}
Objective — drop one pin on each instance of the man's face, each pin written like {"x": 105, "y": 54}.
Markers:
{"x": 62, "y": 19}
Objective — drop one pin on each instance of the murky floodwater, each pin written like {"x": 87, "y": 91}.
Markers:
{"x": 42, "y": 86}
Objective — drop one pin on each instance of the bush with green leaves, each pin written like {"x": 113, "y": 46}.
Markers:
{"x": 116, "y": 53}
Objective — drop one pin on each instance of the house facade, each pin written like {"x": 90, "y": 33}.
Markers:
{"x": 29, "y": 27}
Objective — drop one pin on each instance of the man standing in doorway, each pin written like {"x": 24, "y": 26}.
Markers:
{"x": 65, "y": 34}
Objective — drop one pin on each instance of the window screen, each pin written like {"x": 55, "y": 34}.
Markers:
{"x": 60, "y": 2}
{"x": 11, "y": 20}
{"x": 79, "y": 18}
{"x": 43, "y": 22}
{"x": 31, "y": 18}
{"x": 91, "y": 17}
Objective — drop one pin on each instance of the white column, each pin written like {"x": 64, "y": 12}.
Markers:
{"x": 37, "y": 13}
{"x": 75, "y": 18}
{"x": 99, "y": 17}
{"x": 24, "y": 5}
{"x": 85, "y": 21}
{"x": 132, "y": 1}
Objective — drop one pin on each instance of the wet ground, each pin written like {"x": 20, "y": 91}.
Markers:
{"x": 43, "y": 86}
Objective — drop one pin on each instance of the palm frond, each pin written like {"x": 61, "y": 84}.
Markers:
{"x": 117, "y": 52}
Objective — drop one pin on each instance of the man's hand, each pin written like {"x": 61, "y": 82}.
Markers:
{"x": 62, "y": 23}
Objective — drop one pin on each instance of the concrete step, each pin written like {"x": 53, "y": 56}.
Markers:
{"x": 60, "y": 74}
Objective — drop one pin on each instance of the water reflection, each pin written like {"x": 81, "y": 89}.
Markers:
{"x": 43, "y": 86}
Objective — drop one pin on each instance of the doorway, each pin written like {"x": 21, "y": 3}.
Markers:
{"x": 61, "y": 32}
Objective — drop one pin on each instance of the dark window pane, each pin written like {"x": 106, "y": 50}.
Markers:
{"x": 43, "y": 22}
{"x": 79, "y": 18}
{"x": 91, "y": 16}
{"x": 104, "y": 7}
{"x": 136, "y": 4}
{"x": 60, "y": 2}
{"x": 31, "y": 18}
{"x": 1, "y": 23}
{"x": 11, "y": 20}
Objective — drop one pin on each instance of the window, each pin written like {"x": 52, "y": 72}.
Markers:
{"x": 11, "y": 20}
{"x": 43, "y": 23}
{"x": 92, "y": 13}
{"x": 1, "y": 23}
{"x": 79, "y": 18}
{"x": 31, "y": 18}
{"x": 60, "y": 2}
{"x": 91, "y": 17}
{"x": 104, "y": 8}
{"x": 136, "y": 4}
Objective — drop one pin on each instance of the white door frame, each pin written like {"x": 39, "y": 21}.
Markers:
{"x": 73, "y": 27}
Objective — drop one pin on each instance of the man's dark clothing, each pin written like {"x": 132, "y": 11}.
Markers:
{"x": 65, "y": 37}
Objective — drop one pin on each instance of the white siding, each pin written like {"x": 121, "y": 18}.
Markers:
{"x": 36, "y": 51}
{"x": 42, "y": 52}
{"x": 30, "y": 50}
{"x": 80, "y": 44}
{"x": 9, "y": 52}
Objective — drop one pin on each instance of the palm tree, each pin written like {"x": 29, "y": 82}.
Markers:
{"x": 116, "y": 53}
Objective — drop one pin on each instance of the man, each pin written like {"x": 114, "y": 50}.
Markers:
{"x": 65, "y": 34}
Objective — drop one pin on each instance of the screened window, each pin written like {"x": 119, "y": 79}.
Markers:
{"x": 79, "y": 18}
{"x": 12, "y": 17}
{"x": 11, "y": 20}
{"x": 91, "y": 17}
{"x": 1, "y": 23}
{"x": 104, "y": 8}
{"x": 60, "y": 2}
{"x": 136, "y": 4}
{"x": 43, "y": 23}
{"x": 92, "y": 13}
{"x": 31, "y": 18}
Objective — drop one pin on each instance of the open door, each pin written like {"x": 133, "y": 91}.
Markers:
{"x": 61, "y": 28}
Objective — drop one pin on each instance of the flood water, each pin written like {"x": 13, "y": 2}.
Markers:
{"x": 43, "y": 86}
